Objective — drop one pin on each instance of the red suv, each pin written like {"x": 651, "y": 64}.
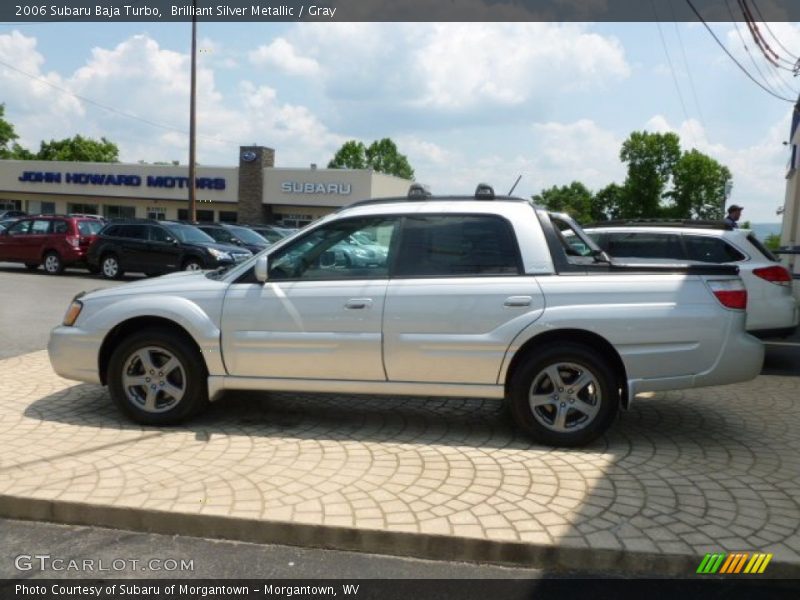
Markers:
{"x": 52, "y": 240}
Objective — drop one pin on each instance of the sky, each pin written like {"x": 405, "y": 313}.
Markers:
{"x": 466, "y": 102}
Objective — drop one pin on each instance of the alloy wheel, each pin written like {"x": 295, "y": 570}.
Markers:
{"x": 565, "y": 397}
{"x": 153, "y": 379}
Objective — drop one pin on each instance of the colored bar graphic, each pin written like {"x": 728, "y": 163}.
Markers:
{"x": 734, "y": 563}
{"x": 765, "y": 563}
{"x": 738, "y": 567}
{"x": 728, "y": 564}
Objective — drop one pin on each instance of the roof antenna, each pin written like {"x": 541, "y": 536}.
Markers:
{"x": 513, "y": 187}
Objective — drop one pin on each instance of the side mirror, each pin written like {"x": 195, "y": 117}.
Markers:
{"x": 261, "y": 268}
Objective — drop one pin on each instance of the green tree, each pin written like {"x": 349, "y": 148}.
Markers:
{"x": 607, "y": 202}
{"x": 352, "y": 155}
{"x": 574, "y": 199}
{"x": 7, "y": 135}
{"x": 80, "y": 149}
{"x": 381, "y": 155}
{"x": 651, "y": 158}
{"x": 698, "y": 187}
{"x": 773, "y": 241}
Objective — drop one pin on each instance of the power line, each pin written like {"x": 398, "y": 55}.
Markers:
{"x": 770, "y": 54}
{"x": 750, "y": 54}
{"x": 760, "y": 16}
{"x": 672, "y": 70}
{"x": 738, "y": 64}
{"x": 686, "y": 64}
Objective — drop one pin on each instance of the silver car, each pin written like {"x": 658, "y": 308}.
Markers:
{"x": 477, "y": 297}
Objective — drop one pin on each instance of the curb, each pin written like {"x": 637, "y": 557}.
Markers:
{"x": 395, "y": 543}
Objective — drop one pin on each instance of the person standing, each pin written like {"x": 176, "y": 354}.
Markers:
{"x": 734, "y": 213}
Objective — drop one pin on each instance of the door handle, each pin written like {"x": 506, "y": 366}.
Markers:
{"x": 518, "y": 301}
{"x": 358, "y": 303}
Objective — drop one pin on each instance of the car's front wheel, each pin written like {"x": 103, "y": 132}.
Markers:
{"x": 564, "y": 396}
{"x": 192, "y": 264}
{"x": 157, "y": 378}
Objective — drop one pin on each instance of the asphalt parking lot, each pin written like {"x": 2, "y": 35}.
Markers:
{"x": 680, "y": 475}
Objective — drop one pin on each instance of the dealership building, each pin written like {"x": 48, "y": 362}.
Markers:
{"x": 254, "y": 192}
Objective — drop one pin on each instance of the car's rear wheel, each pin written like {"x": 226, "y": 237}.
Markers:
{"x": 192, "y": 264}
{"x": 564, "y": 396}
{"x": 157, "y": 378}
{"x": 110, "y": 267}
{"x": 31, "y": 266}
{"x": 53, "y": 264}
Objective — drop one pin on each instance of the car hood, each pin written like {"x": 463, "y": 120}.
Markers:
{"x": 173, "y": 283}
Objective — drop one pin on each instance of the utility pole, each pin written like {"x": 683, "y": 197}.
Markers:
{"x": 192, "y": 119}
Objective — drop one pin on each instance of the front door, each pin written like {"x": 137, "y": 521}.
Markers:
{"x": 319, "y": 314}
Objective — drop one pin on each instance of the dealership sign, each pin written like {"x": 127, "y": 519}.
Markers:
{"x": 299, "y": 187}
{"x": 107, "y": 179}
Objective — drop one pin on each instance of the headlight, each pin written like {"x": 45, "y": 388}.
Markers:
{"x": 219, "y": 255}
{"x": 72, "y": 313}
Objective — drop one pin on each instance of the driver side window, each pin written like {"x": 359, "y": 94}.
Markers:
{"x": 347, "y": 249}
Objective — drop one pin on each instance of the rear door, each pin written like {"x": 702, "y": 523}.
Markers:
{"x": 132, "y": 244}
{"x": 457, "y": 299}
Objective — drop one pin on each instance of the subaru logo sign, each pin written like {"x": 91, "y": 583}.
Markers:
{"x": 248, "y": 156}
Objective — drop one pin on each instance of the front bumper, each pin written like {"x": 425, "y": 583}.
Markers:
{"x": 73, "y": 354}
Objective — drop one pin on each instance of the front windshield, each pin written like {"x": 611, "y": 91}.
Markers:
{"x": 248, "y": 236}
{"x": 189, "y": 233}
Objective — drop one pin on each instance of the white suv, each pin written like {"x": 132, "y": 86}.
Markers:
{"x": 772, "y": 311}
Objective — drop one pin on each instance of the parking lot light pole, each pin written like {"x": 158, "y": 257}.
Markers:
{"x": 192, "y": 119}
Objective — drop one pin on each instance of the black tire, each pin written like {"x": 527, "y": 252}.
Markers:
{"x": 53, "y": 265}
{"x": 110, "y": 267}
{"x": 599, "y": 397}
{"x": 192, "y": 264}
{"x": 31, "y": 266}
{"x": 160, "y": 347}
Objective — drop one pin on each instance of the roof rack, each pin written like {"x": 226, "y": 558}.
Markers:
{"x": 689, "y": 223}
{"x": 418, "y": 192}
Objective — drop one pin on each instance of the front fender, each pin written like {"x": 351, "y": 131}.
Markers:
{"x": 182, "y": 311}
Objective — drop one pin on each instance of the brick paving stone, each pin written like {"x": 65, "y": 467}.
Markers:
{"x": 681, "y": 473}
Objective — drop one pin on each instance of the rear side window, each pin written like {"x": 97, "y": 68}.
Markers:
{"x": 457, "y": 245}
{"x": 60, "y": 227}
{"x": 89, "y": 227}
{"x": 643, "y": 245}
{"x": 711, "y": 249}
{"x": 135, "y": 232}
